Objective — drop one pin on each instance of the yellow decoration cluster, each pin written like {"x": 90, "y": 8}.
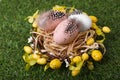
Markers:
{"x": 98, "y": 30}
{"x": 63, "y": 9}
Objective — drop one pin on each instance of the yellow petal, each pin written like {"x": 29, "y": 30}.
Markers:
{"x": 94, "y": 26}
{"x": 46, "y": 66}
{"x": 30, "y": 20}
{"x": 36, "y": 14}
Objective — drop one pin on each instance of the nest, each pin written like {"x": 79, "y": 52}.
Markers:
{"x": 86, "y": 47}
{"x": 44, "y": 43}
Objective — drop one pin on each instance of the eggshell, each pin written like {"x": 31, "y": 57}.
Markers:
{"x": 65, "y": 33}
{"x": 47, "y": 22}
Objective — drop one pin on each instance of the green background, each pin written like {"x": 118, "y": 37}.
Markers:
{"x": 14, "y": 32}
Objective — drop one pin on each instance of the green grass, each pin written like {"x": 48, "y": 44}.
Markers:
{"x": 14, "y": 32}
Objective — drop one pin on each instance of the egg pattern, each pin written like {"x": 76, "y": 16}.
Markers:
{"x": 65, "y": 32}
{"x": 56, "y": 15}
{"x": 71, "y": 28}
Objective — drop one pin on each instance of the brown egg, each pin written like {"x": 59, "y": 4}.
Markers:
{"x": 48, "y": 21}
{"x": 65, "y": 32}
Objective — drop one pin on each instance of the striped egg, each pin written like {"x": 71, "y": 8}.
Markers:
{"x": 49, "y": 20}
{"x": 65, "y": 32}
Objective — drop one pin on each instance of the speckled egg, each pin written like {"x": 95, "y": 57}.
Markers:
{"x": 49, "y": 20}
{"x": 65, "y": 32}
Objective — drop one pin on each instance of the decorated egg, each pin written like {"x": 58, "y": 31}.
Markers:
{"x": 65, "y": 32}
{"x": 68, "y": 29}
{"x": 81, "y": 20}
{"x": 49, "y": 20}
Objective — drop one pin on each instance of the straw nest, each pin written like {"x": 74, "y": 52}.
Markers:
{"x": 43, "y": 42}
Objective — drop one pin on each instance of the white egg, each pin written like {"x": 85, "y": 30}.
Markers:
{"x": 65, "y": 32}
{"x": 82, "y": 20}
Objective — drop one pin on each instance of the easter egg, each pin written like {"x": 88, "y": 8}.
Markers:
{"x": 49, "y": 20}
{"x": 65, "y": 32}
{"x": 81, "y": 20}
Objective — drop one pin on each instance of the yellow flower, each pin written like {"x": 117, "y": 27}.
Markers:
{"x": 90, "y": 41}
{"x": 94, "y": 19}
{"x": 32, "y": 18}
{"x": 59, "y": 8}
{"x": 35, "y": 56}
{"x": 77, "y": 59}
{"x": 106, "y": 29}
{"x": 96, "y": 55}
{"x": 41, "y": 61}
{"x": 28, "y": 49}
{"x": 55, "y": 64}
{"x": 85, "y": 56}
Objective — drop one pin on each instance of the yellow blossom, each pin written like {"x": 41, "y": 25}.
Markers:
{"x": 94, "y": 19}
{"x": 106, "y": 29}
{"x": 90, "y": 41}
{"x": 96, "y": 55}
{"x": 59, "y": 8}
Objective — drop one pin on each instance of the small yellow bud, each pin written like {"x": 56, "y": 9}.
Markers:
{"x": 42, "y": 61}
{"x": 90, "y": 41}
{"x": 106, "y": 29}
{"x": 85, "y": 56}
{"x": 35, "y": 56}
{"x": 55, "y": 64}
{"x": 75, "y": 72}
{"x": 77, "y": 59}
{"x": 27, "y": 49}
{"x": 34, "y": 24}
{"x": 90, "y": 66}
{"x": 94, "y": 19}
{"x": 96, "y": 55}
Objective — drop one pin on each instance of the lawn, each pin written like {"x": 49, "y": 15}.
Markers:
{"x": 14, "y": 31}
